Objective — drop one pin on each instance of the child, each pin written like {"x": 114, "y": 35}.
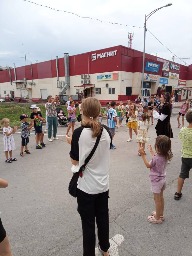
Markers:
{"x": 9, "y": 143}
{"x": 4, "y": 241}
{"x": 111, "y": 121}
{"x": 185, "y": 136}
{"x": 142, "y": 133}
{"x": 182, "y": 112}
{"x": 132, "y": 122}
{"x": 157, "y": 174}
{"x": 37, "y": 120}
{"x": 71, "y": 117}
{"x": 25, "y": 132}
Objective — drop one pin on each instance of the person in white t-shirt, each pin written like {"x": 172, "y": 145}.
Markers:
{"x": 93, "y": 184}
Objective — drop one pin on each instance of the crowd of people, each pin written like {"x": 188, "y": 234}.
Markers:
{"x": 93, "y": 181}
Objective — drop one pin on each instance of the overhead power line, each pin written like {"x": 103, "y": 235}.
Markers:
{"x": 101, "y": 21}
{"x": 181, "y": 59}
{"x": 79, "y": 16}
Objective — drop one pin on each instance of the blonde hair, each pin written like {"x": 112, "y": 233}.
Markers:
{"x": 91, "y": 108}
{"x": 4, "y": 120}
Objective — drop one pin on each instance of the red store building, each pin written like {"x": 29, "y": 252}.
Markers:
{"x": 113, "y": 73}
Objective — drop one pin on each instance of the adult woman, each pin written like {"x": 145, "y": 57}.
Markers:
{"x": 93, "y": 186}
{"x": 71, "y": 117}
{"x": 52, "y": 117}
{"x": 4, "y": 242}
{"x": 163, "y": 126}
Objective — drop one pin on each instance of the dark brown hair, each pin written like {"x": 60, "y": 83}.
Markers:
{"x": 163, "y": 146}
{"x": 189, "y": 116}
{"x": 91, "y": 108}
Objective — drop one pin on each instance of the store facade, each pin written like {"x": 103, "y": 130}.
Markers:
{"x": 109, "y": 74}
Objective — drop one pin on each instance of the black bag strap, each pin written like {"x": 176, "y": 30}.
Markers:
{"x": 92, "y": 151}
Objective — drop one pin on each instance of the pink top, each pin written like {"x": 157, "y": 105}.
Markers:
{"x": 157, "y": 169}
{"x": 184, "y": 108}
{"x": 73, "y": 116}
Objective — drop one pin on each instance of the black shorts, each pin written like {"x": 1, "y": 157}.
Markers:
{"x": 181, "y": 114}
{"x": 38, "y": 129}
{"x": 24, "y": 141}
{"x": 2, "y": 232}
{"x": 185, "y": 167}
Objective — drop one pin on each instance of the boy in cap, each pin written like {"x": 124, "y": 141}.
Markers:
{"x": 25, "y": 131}
{"x": 37, "y": 120}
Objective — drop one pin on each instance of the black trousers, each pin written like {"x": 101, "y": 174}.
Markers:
{"x": 91, "y": 208}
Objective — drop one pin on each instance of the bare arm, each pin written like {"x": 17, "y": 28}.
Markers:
{"x": 74, "y": 162}
{"x": 146, "y": 162}
{"x": 3, "y": 183}
{"x": 14, "y": 129}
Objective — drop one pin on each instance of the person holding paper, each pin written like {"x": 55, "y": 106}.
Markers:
{"x": 163, "y": 126}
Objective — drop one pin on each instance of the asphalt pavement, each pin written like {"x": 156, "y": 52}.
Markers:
{"x": 41, "y": 217}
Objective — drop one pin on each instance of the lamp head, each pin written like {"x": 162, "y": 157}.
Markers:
{"x": 169, "y": 4}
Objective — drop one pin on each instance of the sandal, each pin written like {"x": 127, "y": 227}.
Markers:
{"x": 177, "y": 196}
{"x": 152, "y": 220}
{"x": 154, "y": 214}
{"x": 21, "y": 154}
{"x": 13, "y": 159}
{"x": 8, "y": 161}
{"x": 27, "y": 152}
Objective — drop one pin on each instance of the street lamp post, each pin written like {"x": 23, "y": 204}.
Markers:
{"x": 145, "y": 30}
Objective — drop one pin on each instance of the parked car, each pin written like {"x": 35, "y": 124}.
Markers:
{"x": 2, "y": 100}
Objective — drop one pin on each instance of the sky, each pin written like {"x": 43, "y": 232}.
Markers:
{"x": 41, "y": 34}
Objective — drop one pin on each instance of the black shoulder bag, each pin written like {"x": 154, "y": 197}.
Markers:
{"x": 73, "y": 182}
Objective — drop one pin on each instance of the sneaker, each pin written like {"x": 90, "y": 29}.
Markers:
{"x": 129, "y": 140}
{"x": 55, "y": 138}
{"x": 43, "y": 144}
{"x": 50, "y": 140}
{"x": 38, "y": 147}
{"x": 112, "y": 147}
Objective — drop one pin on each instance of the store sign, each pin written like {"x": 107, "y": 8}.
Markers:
{"x": 108, "y": 77}
{"x": 174, "y": 67}
{"x": 165, "y": 74}
{"x": 182, "y": 82}
{"x": 166, "y": 66}
{"x": 173, "y": 75}
{"x": 152, "y": 67}
{"x": 96, "y": 56}
{"x": 150, "y": 77}
{"x": 163, "y": 80}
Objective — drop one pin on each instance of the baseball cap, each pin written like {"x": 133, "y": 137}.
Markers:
{"x": 33, "y": 106}
{"x": 23, "y": 116}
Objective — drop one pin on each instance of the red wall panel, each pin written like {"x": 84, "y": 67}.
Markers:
{"x": 61, "y": 67}
{"x": 4, "y": 76}
{"x": 44, "y": 70}
{"x": 189, "y": 73}
{"x": 20, "y": 73}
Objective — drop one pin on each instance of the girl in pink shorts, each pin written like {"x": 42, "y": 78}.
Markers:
{"x": 157, "y": 174}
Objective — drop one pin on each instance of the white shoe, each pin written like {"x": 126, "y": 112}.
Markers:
{"x": 129, "y": 140}
{"x": 50, "y": 140}
{"x": 55, "y": 138}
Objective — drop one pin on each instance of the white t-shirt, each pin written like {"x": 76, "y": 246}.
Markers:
{"x": 95, "y": 178}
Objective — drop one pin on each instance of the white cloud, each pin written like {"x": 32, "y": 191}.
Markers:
{"x": 42, "y": 33}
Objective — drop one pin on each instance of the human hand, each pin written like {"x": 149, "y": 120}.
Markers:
{"x": 141, "y": 151}
{"x": 15, "y": 129}
{"x": 68, "y": 138}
